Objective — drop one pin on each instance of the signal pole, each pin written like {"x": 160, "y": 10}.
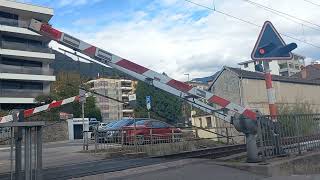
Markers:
{"x": 270, "y": 91}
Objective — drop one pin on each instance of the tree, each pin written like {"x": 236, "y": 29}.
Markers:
{"x": 164, "y": 106}
{"x": 67, "y": 85}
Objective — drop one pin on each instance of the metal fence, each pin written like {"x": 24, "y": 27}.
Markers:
{"x": 290, "y": 134}
{"x": 155, "y": 142}
{"x": 23, "y": 159}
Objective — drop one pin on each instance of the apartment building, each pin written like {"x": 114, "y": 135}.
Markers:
{"x": 24, "y": 55}
{"x": 281, "y": 67}
{"x": 118, "y": 89}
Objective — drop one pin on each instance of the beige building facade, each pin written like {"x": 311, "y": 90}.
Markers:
{"x": 216, "y": 129}
{"x": 118, "y": 89}
{"x": 248, "y": 89}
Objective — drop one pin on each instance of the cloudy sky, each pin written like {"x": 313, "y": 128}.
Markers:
{"x": 178, "y": 37}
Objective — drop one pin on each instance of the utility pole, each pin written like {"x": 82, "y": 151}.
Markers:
{"x": 187, "y": 74}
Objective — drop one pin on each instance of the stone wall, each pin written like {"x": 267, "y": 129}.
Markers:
{"x": 55, "y": 131}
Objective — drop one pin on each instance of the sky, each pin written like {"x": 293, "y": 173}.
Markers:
{"x": 178, "y": 37}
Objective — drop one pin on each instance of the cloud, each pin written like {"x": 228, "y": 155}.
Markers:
{"x": 176, "y": 37}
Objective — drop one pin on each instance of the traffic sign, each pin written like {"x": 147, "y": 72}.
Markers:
{"x": 148, "y": 102}
{"x": 82, "y": 95}
{"x": 270, "y": 45}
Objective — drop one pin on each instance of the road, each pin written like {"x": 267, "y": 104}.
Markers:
{"x": 62, "y": 160}
{"x": 54, "y": 154}
{"x": 189, "y": 169}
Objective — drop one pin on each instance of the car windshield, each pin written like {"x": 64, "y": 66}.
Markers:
{"x": 110, "y": 124}
{"x": 141, "y": 122}
{"x": 121, "y": 123}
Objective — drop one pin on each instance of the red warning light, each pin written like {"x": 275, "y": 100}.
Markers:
{"x": 262, "y": 51}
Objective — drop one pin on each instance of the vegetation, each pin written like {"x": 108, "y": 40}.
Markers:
{"x": 164, "y": 106}
{"x": 67, "y": 85}
{"x": 296, "y": 108}
{"x": 297, "y": 118}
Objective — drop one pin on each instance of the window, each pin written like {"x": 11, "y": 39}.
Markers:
{"x": 8, "y": 19}
{"x": 245, "y": 65}
{"x": 158, "y": 124}
{"x": 209, "y": 123}
{"x": 21, "y": 85}
{"x": 20, "y": 62}
{"x": 200, "y": 120}
{"x": 282, "y": 66}
{"x": 22, "y": 40}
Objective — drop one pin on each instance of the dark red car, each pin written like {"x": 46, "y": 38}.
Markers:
{"x": 151, "y": 131}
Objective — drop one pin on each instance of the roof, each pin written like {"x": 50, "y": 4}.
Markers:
{"x": 260, "y": 76}
{"x": 312, "y": 72}
{"x": 205, "y": 80}
{"x": 27, "y": 10}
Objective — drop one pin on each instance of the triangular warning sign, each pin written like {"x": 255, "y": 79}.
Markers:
{"x": 270, "y": 45}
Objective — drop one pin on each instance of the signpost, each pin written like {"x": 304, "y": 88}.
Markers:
{"x": 270, "y": 46}
{"x": 82, "y": 100}
{"x": 148, "y": 103}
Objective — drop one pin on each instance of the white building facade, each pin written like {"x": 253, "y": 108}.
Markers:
{"x": 279, "y": 67}
{"x": 24, "y": 55}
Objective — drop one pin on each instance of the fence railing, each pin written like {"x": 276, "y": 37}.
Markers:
{"x": 153, "y": 141}
{"x": 290, "y": 134}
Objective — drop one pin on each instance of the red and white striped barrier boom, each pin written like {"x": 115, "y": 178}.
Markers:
{"x": 32, "y": 111}
{"x": 137, "y": 71}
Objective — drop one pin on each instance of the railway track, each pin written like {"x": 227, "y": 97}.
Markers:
{"x": 215, "y": 152}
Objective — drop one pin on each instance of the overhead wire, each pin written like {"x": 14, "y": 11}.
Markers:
{"x": 312, "y": 3}
{"x": 249, "y": 22}
{"x": 285, "y": 15}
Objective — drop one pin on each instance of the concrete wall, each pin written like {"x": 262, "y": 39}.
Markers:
{"x": 227, "y": 86}
{"x": 255, "y": 95}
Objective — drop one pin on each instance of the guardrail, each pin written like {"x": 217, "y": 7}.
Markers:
{"x": 154, "y": 141}
{"x": 291, "y": 134}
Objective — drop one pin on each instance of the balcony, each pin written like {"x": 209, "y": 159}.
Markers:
{"x": 25, "y": 70}
{"x": 25, "y": 47}
{"x": 22, "y": 93}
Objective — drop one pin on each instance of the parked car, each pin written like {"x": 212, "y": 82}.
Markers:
{"x": 93, "y": 122}
{"x": 112, "y": 132}
{"x": 146, "y": 131}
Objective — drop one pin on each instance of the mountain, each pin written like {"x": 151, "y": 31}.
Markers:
{"x": 205, "y": 80}
{"x": 64, "y": 63}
